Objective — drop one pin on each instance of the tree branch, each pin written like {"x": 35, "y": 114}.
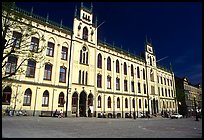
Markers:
{"x": 14, "y": 73}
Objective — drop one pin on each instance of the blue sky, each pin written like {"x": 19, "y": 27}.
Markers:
{"x": 175, "y": 29}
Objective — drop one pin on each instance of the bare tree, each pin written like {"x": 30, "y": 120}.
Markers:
{"x": 17, "y": 32}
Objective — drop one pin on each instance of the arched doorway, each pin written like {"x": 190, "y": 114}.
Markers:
{"x": 82, "y": 104}
{"x": 74, "y": 103}
{"x": 154, "y": 106}
{"x": 90, "y": 105}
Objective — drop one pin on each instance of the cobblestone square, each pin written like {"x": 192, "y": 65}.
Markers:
{"x": 82, "y": 127}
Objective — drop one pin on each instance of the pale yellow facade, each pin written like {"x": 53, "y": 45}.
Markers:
{"x": 84, "y": 89}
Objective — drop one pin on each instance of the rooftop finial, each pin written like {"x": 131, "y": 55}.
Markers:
{"x": 61, "y": 23}
{"x": 75, "y": 13}
{"x": 96, "y": 21}
{"x": 150, "y": 41}
{"x": 82, "y": 5}
{"x": 104, "y": 41}
{"x": 171, "y": 67}
{"x": 31, "y": 11}
{"x": 47, "y": 17}
{"x": 91, "y": 6}
{"x": 146, "y": 39}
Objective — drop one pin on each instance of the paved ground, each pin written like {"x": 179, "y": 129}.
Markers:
{"x": 45, "y": 127}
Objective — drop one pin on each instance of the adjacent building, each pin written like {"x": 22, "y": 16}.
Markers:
{"x": 81, "y": 73}
{"x": 189, "y": 97}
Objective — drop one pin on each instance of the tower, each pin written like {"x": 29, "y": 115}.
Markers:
{"x": 150, "y": 54}
{"x": 83, "y": 26}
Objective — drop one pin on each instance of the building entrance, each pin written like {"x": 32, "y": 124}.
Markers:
{"x": 82, "y": 104}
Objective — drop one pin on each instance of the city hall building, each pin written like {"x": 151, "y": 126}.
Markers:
{"x": 79, "y": 73}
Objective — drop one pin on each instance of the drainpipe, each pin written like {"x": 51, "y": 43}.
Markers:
{"x": 69, "y": 74}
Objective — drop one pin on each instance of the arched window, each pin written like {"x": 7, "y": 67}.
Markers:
{"x": 108, "y": 82}
{"x": 83, "y": 77}
{"x": 63, "y": 71}
{"x": 48, "y": 72}
{"x": 150, "y": 61}
{"x": 50, "y": 49}
{"x": 90, "y": 100}
{"x": 118, "y": 102}
{"x": 151, "y": 75}
{"x": 85, "y": 33}
{"x": 64, "y": 53}
{"x": 99, "y": 81}
{"x": 61, "y": 100}
{"x": 6, "y": 97}
{"x": 45, "y": 98}
{"x": 140, "y": 104}
{"x": 125, "y": 85}
{"x": 74, "y": 99}
{"x": 126, "y": 103}
{"x": 145, "y": 103}
{"x": 109, "y": 63}
{"x": 117, "y": 83}
{"x": 31, "y": 68}
{"x": 133, "y": 103}
{"x": 117, "y": 66}
{"x": 143, "y": 74}
{"x": 80, "y": 77}
{"x": 132, "y": 70}
{"x": 84, "y": 55}
{"x": 99, "y": 101}
{"x": 138, "y": 72}
{"x": 86, "y": 78}
{"x": 27, "y": 97}
{"x": 99, "y": 64}
{"x": 109, "y": 102}
{"x": 125, "y": 68}
{"x": 11, "y": 64}
{"x": 34, "y": 44}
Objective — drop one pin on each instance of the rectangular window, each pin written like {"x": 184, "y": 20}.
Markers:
{"x": 50, "y": 49}
{"x": 10, "y": 68}
{"x": 47, "y": 72}
{"x": 62, "y": 74}
{"x": 125, "y": 85}
{"x": 16, "y": 39}
{"x": 31, "y": 69}
{"x": 159, "y": 91}
{"x": 64, "y": 53}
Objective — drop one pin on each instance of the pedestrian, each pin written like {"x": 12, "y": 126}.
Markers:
{"x": 61, "y": 114}
{"x": 55, "y": 113}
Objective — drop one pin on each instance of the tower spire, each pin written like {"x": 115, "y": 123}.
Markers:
{"x": 91, "y": 7}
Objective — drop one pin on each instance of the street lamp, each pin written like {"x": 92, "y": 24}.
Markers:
{"x": 195, "y": 110}
{"x": 134, "y": 107}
